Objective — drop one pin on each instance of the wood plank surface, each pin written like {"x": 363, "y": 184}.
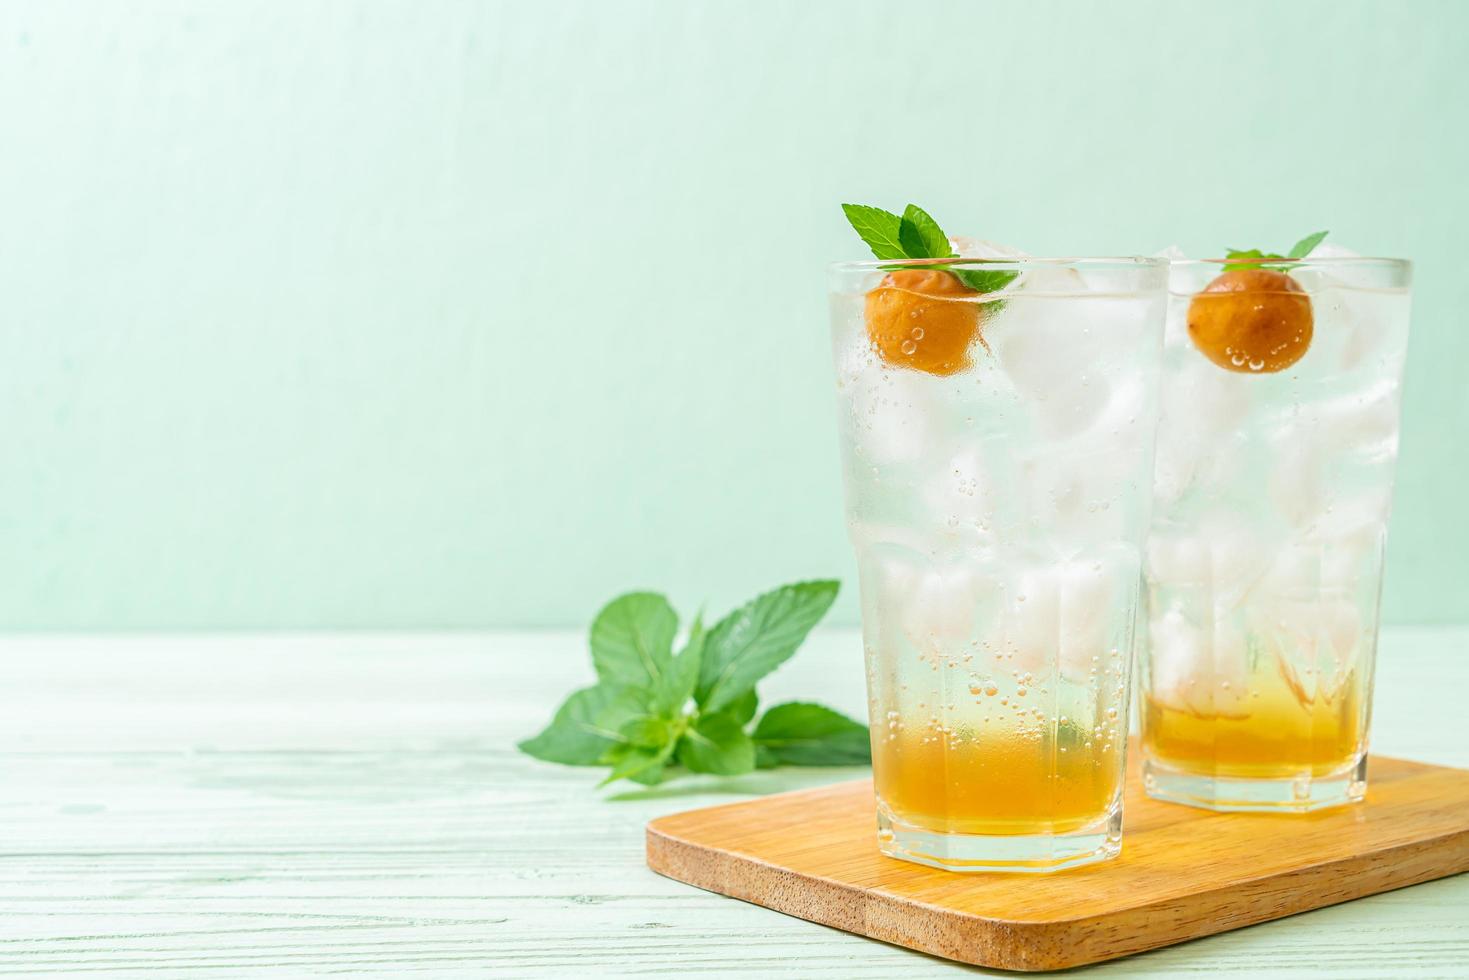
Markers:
{"x": 290, "y": 806}
{"x": 1183, "y": 873}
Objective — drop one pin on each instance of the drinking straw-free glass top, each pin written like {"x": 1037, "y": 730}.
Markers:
{"x": 998, "y": 460}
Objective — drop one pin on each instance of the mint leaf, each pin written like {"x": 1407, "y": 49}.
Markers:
{"x": 1256, "y": 256}
{"x": 758, "y": 637}
{"x": 652, "y": 775}
{"x": 1299, "y": 250}
{"x": 742, "y": 709}
{"x": 717, "y": 744}
{"x": 985, "y": 280}
{"x": 1304, "y": 247}
{"x": 878, "y": 228}
{"x": 921, "y": 237}
{"x": 677, "y": 684}
{"x": 647, "y": 731}
{"x": 586, "y": 726}
{"x": 644, "y": 765}
{"x": 738, "y": 713}
{"x": 632, "y": 639}
{"x": 637, "y": 718}
{"x": 916, "y": 235}
{"x": 802, "y": 734}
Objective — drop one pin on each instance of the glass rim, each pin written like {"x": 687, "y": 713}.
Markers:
{"x": 1006, "y": 264}
{"x": 1306, "y": 262}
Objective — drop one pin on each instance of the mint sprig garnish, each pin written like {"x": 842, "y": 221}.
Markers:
{"x": 1260, "y": 260}
{"x": 921, "y": 236}
{"x": 915, "y": 235}
{"x": 1306, "y": 245}
{"x": 653, "y": 713}
{"x": 879, "y": 229}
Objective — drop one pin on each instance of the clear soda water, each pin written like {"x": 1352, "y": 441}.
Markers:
{"x": 998, "y": 516}
{"x": 1264, "y": 562}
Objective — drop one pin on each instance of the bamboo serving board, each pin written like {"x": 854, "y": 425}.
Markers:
{"x": 1183, "y": 872}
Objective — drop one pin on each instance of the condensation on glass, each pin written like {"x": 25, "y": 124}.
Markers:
{"x": 1264, "y": 561}
{"x": 998, "y": 505}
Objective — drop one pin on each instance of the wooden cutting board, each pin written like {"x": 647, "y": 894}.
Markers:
{"x": 1183, "y": 872}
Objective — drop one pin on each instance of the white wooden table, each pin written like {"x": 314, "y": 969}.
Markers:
{"x": 293, "y": 806}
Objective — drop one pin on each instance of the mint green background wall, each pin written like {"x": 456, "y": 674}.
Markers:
{"x": 450, "y": 314}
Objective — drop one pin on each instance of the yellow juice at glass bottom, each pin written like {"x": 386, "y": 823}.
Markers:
{"x": 1052, "y": 780}
{"x": 991, "y": 756}
{"x": 1279, "y": 731}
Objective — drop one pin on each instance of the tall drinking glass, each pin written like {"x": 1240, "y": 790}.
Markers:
{"x": 998, "y": 454}
{"x": 1273, "y": 483}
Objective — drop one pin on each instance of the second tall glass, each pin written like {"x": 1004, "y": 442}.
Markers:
{"x": 1274, "y": 482}
{"x": 998, "y": 456}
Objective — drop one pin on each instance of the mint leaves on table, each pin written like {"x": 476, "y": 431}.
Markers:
{"x": 1257, "y": 258}
{"x": 803, "y": 734}
{"x": 654, "y": 712}
{"x": 915, "y": 235}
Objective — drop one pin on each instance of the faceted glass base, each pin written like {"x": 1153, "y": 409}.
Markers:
{"x": 1029, "y": 853}
{"x": 1302, "y": 794}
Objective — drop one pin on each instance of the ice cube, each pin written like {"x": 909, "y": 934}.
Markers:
{"x": 1087, "y": 589}
{"x": 1125, "y": 414}
{"x": 978, "y": 248}
{"x": 1198, "y": 667}
{"x": 1177, "y": 560}
{"x": 1306, "y": 443}
{"x": 1238, "y": 556}
{"x": 1335, "y": 553}
{"x": 1213, "y": 401}
{"x": 1364, "y": 422}
{"x": 1174, "y": 465}
{"x": 1031, "y": 623}
{"x": 1295, "y": 570}
{"x": 1117, "y": 435}
{"x": 911, "y": 601}
{"x": 1054, "y": 353}
{"x": 1331, "y": 250}
{"x": 938, "y": 614}
{"x": 1354, "y": 555}
{"x": 1374, "y": 321}
{"x": 891, "y": 413}
{"x": 963, "y": 494}
{"x": 1221, "y": 559}
{"x": 1347, "y": 517}
{"x": 1053, "y": 280}
{"x": 1116, "y": 443}
{"x": 1354, "y": 317}
{"x": 1296, "y": 478}
{"x": 1053, "y": 486}
{"x": 1059, "y": 616}
{"x": 1340, "y": 274}
{"x": 1306, "y": 611}
{"x": 1175, "y": 658}
{"x": 1037, "y": 277}
{"x": 1199, "y": 433}
{"x": 1314, "y": 638}
{"x": 1079, "y": 500}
